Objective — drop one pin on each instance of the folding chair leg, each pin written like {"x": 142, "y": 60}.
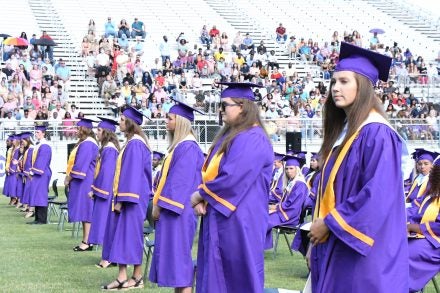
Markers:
{"x": 275, "y": 246}
{"x": 147, "y": 263}
{"x": 288, "y": 244}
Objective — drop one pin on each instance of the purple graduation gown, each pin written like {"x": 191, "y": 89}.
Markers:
{"x": 276, "y": 186}
{"x": 424, "y": 253}
{"x": 369, "y": 208}
{"x": 288, "y": 211}
{"x": 41, "y": 175}
{"x": 232, "y": 234}
{"x": 172, "y": 264}
{"x": 80, "y": 205}
{"x": 414, "y": 194}
{"x": 13, "y": 175}
{"x": 27, "y": 166}
{"x": 124, "y": 238}
{"x": 20, "y": 176}
{"x": 103, "y": 193}
{"x": 301, "y": 241}
{"x": 7, "y": 178}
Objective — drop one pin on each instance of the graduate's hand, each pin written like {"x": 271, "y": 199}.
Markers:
{"x": 196, "y": 198}
{"x": 200, "y": 209}
{"x": 67, "y": 181}
{"x": 415, "y": 228}
{"x": 91, "y": 195}
{"x": 272, "y": 207}
{"x": 156, "y": 212}
{"x": 318, "y": 231}
{"x": 118, "y": 207}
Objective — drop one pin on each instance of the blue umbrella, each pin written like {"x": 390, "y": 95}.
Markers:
{"x": 377, "y": 31}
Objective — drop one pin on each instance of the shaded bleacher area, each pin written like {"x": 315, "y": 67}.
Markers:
{"x": 295, "y": 73}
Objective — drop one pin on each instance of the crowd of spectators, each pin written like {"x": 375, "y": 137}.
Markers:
{"x": 33, "y": 85}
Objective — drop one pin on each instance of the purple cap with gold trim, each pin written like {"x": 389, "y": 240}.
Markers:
{"x": 372, "y": 65}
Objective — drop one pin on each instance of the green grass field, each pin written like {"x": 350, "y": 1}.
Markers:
{"x": 38, "y": 258}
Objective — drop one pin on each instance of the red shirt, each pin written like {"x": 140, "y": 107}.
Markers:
{"x": 281, "y": 30}
{"x": 214, "y": 32}
{"x": 160, "y": 80}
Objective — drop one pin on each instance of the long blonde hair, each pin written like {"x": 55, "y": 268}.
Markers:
{"x": 182, "y": 130}
{"x": 298, "y": 176}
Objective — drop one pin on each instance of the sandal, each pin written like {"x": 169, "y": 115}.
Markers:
{"x": 110, "y": 264}
{"x": 29, "y": 214}
{"x": 78, "y": 248}
{"x": 119, "y": 287}
{"x": 139, "y": 283}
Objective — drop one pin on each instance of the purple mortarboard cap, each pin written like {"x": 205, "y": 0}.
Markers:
{"x": 293, "y": 161}
{"x": 158, "y": 155}
{"x": 437, "y": 161}
{"x": 315, "y": 156}
{"x": 278, "y": 156}
{"x": 15, "y": 136}
{"x": 370, "y": 64}
{"x": 290, "y": 152}
{"x": 40, "y": 128}
{"x": 422, "y": 154}
{"x": 301, "y": 155}
{"x": 133, "y": 114}
{"x": 25, "y": 135}
{"x": 108, "y": 123}
{"x": 241, "y": 90}
{"x": 10, "y": 136}
{"x": 182, "y": 109}
{"x": 85, "y": 122}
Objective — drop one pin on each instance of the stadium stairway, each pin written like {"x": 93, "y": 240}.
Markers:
{"x": 83, "y": 90}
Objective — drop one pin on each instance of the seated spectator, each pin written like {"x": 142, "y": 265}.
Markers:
{"x": 281, "y": 34}
{"x": 3, "y": 90}
{"x": 137, "y": 29}
{"x": 237, "y": 42}
{"x": 68, "y": 125}
{"x": 273, "y": 60}
{"x": 224, "y": 41}
{"x": 248, "y": 43}
{"x": 158, "y": 112}
{"x": 47, "y": 50}
{"x": 109, "y": 28}
{"x": 204, "y": 36}
{"x": 35, "y": 53}
{"x": 108, "y": 89}
{"x": 85, "y": 46}
{"x": 36, "y": 76}
{"x": 374, "y": 41}
{"x": 123, "y": 28}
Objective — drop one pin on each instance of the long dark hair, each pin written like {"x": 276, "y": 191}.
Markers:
{"x": 132, "y": 128}
{"x": 434, "y": 181}
{"x": 249, "y": 117}
{"x": 334, "y": 118}
{"x": 84, "y": 133}
{"x": 108, "y": 136}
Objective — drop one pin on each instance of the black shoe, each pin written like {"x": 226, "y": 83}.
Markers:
{"x": 78, "y": 248}
{"x": 32, "y": 223}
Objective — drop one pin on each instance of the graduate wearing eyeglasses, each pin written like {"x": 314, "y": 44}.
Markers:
{"x": 233, "y": 198}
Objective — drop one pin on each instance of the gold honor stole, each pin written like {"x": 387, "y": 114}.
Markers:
{"x": 35, "y": 154}
{"x": 275, "y": 183}
{"x": 421, "y": 190}
{"x": 118, "y": 168}
{"x": 98, "y": 162}
{"x": 430, "y": 215}
{"x": 9, "y": 158}
{"x": 25, "y": 158}
{"x": 72, "y": 156}
{"x": 164, "y": 175}
{"x": 325, "y": 203}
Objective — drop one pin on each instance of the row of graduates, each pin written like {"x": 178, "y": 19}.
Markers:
{"x": 109, "y": 189}
{"x": 28, "y": 173}
{"x": 294, "y": 187}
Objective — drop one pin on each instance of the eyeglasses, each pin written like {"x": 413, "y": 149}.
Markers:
{"x": 223, "y": 105}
